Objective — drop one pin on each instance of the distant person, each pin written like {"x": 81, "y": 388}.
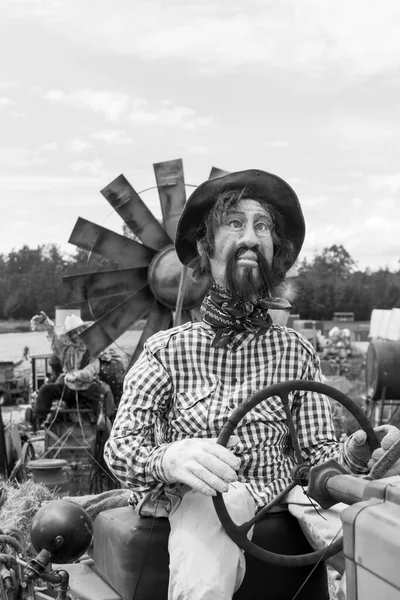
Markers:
{"x": 56, "y": 369}
{"x": 79, "y": 384}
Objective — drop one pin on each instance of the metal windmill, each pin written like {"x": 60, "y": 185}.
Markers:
{"x": 149, "y": 281}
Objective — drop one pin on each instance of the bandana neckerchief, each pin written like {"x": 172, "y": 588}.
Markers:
{"x": 228, "y": 316}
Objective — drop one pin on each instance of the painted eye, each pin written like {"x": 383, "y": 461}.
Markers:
{"x": 263, "y": 226}
{"x": 235, "y": 223}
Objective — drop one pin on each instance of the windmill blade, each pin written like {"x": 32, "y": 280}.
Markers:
{"x": 111, "y": 245}
{"x": 131, "y": 208}
{"x": 159, "y": 319}
{"x": 104, "y": 283}
{"x": 171, "y": 190}
{"x": 108, "y": 328}
{"x": 100, "y": 306}
{"x": 215, "y": 172}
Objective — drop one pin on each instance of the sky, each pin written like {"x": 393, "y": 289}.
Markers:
{"x": 306, "y": 89}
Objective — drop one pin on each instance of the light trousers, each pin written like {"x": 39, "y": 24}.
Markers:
{"x": 205, "y": 564}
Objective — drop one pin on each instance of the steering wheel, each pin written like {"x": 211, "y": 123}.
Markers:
{"x": 238, "y": 533}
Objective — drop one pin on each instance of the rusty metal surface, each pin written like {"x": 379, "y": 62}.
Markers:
{"x": 164, "y": 277}
{"x": 94, "y": 238}
{"x": 105, "y": 283}
{"x": 171, "y": 190}
{"x": 114, "y": 323}
{"x": 159, "y": 319}
{"x": 131, "y": 208}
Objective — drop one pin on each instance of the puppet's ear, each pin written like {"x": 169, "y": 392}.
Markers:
{"x": 200, "y": 248}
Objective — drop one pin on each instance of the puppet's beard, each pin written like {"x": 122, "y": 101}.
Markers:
{"x": 248, "y": 283}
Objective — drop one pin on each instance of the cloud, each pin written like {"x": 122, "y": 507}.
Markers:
{"x": 308, "y": 35}
{"x": 49, "y": 147}
{"x": 95, "y": 167}
{"x": 112, "y": 136}
{"x": 40, "y": 183}
{"x": 18, "y": 115}
{"x": 198, "y": 150}
{"x": 5, "y": 85}
{"x": 110, "y": 104}
{"x": 389, "y": 182}
{"x": 16, "y": 157}
{"x": 277, "y": 144}
{"x": 368, "y": 229}
{"x": 78, "y": 145}
{"x": 355, "y": 131}
{"x": 175, "y": 116}
{"x": 4, "y": 102}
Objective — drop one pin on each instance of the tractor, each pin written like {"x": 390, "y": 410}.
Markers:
{"x": 125, "y": 557}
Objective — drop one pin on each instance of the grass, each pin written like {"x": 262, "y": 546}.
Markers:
{"x": 14, "y": 325}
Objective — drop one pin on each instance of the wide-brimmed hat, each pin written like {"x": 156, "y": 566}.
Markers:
{"x": 72, "y": 323}
{"x": 259, "y": 184}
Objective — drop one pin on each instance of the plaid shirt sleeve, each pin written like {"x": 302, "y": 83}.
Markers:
{"x": 133, "y": 451}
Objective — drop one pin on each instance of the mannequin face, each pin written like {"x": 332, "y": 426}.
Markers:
{"x": 243, "y": 238}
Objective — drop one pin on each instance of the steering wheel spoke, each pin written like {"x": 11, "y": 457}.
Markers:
{"x": 239, "y": 533}
{"x": 284, "y": 396}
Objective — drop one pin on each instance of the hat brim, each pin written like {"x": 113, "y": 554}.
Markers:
{"x": 62, "y": 331}
{"x": 258, "y": 184}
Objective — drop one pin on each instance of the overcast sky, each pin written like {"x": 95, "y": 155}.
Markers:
{"x": 306, "y": 89}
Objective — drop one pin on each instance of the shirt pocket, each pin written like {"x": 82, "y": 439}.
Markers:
{"x": 192, "y": 408}
{"x": 270, "y": 411}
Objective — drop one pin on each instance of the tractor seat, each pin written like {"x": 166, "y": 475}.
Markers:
{"x": 131, "y": 554}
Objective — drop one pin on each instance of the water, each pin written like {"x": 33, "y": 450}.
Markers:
{"x": 12, "y": 344}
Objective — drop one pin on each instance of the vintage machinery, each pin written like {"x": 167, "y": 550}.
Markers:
{"x": 16, "y": 450}
{"x": 382, "y": 374}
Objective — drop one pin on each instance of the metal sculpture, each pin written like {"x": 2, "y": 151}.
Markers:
{"x": 149, "y": 281}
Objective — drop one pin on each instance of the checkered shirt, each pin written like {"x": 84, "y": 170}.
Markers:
{"x": 183, "y": 387}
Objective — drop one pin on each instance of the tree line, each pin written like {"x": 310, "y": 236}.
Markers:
{"x": 31, "y": 281}
{"x": 332, "y": 283}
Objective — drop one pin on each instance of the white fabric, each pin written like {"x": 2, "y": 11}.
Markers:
{"x": 195, "y": 574}
{"x": 320, "y": 526}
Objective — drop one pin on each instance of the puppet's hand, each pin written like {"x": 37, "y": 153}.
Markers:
{"x": 41, "y": 319}
{"x": 359, "y": 454}
{"x": 202, "y": 464}
{"x": 387, "y": 436}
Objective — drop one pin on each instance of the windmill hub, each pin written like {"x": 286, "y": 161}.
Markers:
{"x": 164, "y": 278}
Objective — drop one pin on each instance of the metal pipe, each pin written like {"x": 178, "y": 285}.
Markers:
{"x": 346, "y": 488}
{"x": 181, "y": 295}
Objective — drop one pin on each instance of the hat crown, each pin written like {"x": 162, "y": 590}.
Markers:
{"x": 72, "y": 322}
